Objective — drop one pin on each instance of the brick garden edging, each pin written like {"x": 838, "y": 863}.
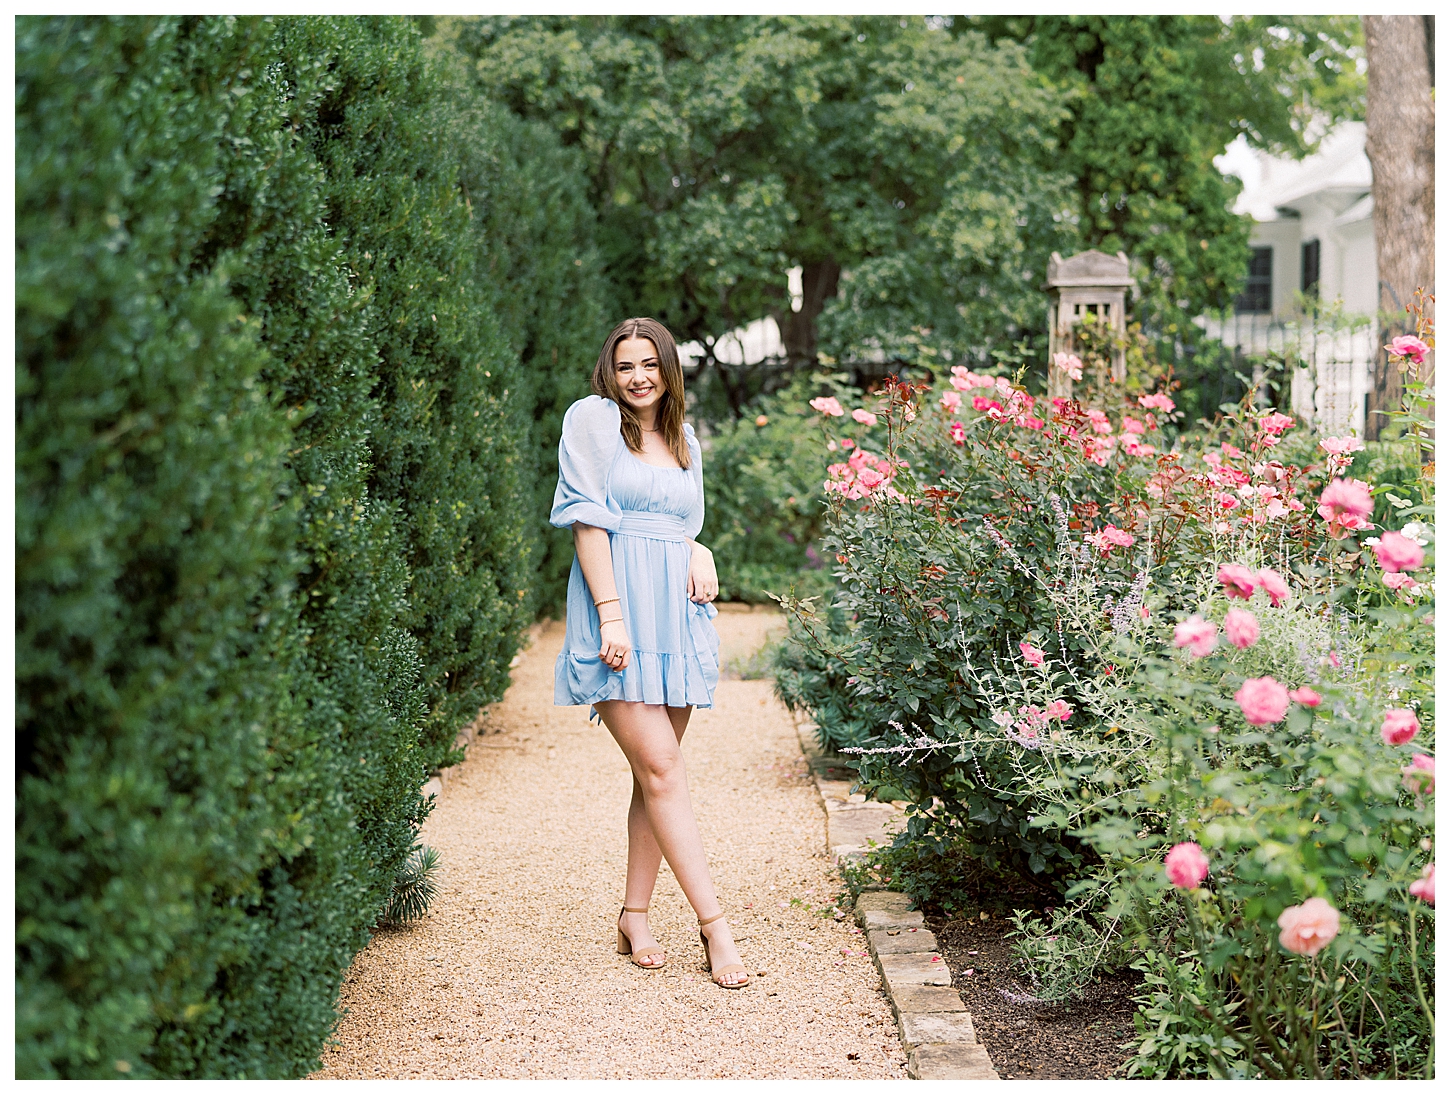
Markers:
{"x": 934, "y": 1025}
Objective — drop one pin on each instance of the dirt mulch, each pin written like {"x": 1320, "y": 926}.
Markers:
{"x": 1027, "y": 1041}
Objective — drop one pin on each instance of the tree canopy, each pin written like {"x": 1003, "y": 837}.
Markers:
{"x": 918, "y": 170}
{"x": 900, "y": 166}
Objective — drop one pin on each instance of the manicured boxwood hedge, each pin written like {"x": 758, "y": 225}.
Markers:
{"x": 275, "y": 463}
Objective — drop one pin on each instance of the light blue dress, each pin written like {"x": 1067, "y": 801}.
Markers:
{"x": 650, "y": 512}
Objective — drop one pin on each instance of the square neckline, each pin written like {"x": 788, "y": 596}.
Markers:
{"x": 658, "y": 467}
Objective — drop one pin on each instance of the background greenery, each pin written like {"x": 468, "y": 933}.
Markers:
{"x": 300, "y": 303}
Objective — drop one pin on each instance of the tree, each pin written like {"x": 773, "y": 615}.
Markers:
{"x": 1400, "y": 141}
{"x": 1152, "y": 100}
{"x": 903, "y": 168}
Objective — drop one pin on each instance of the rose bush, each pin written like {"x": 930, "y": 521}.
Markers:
{"x": 1026, "y": 644}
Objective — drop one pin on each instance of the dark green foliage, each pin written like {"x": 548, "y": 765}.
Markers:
{"x": 445, "y": 444}
{"x": 271, "y": 528}
{"x": 414, "y": 888}
{"x": 534, "y": 228}
{"x": 154, "y": 569}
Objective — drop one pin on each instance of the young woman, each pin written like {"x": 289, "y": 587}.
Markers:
{"x": 640, "y": 646}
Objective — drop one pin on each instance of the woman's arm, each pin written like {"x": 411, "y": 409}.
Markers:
{"x": 591, "y": 545}
{"x": 703, "y": 584}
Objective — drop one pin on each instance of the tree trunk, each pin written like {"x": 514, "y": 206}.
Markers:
{"x": 819, "y": 281}
{"x": 1400, "y": 142}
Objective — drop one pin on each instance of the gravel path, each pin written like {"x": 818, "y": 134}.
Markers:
{"x": 514, "y": 975}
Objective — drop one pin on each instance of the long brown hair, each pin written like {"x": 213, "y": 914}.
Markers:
{"x": 670, "y": 418}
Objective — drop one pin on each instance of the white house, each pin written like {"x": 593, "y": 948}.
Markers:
{"x": 1312, "y": 229}
{"x": 1313, "y": 236}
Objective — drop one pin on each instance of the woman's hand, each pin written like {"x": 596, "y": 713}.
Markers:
{"x": 614, "y": 647}
{"x": 703, "y": 585}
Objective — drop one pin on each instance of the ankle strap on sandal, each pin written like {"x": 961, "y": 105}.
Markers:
{"x": 626, "y": 908}
{"x": 712, "y": 919}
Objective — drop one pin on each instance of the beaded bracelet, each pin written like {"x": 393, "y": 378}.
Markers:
{"x": 605, "y": 601}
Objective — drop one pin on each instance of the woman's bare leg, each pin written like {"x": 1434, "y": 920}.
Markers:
{"x": 649, "y": 735}
{"x": 644, "y": 858}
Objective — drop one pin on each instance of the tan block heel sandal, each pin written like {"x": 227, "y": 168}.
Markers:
{"x": 733, "y": 967}
{"x": 626, "y": 947}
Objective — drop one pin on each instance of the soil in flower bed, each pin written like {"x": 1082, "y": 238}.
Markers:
{"x": 1080, "y": 1040}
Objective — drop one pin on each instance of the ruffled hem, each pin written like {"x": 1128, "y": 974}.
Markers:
{"x": 674, "y": 680}
{"x": 671, "y": 679}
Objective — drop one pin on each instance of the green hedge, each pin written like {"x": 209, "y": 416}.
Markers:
{"x": 274, "y": 462}
{"x": 527, "y": 193}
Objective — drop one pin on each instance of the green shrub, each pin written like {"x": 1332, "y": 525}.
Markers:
{"x": 446, "y": 442}
{"x": 271, "y": 545}
{"x": 414, "y": 888}
{"x": 527, "y": 195}
{"x": 763, "y": 509}
{"x": 155, "y": 607}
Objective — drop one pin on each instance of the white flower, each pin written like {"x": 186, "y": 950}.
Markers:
{"x": 1418, "y": 532}
{"x": 1002, "y": 718}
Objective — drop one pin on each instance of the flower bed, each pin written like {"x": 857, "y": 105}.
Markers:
{"x": 1188, "y": 688}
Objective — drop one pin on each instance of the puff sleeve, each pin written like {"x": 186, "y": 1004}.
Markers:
{"x": 588, "y": 446}
{"x": 695, "y": 520}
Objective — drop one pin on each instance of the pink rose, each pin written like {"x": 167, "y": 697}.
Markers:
{"x": 1157, "y": 401}
{"x": 1419, "y": 774}
{"x": 1307, "y": 929}
{"x": 1238, "y": 581}
{"x": 1400, "y": 726}
{"x": 1424, "y": 886}
{"x": 958, "y": 432}
{"x": 1110, "y": 537}
{"x": 1272, "y": 583}
{"x": 1396, "y": 551}
{"x": 866, "y": 418}
{"x": 1395, "y": 580}
{"x": 1306, "y": 697}
{"x": 828, "y": 404}
{"x": 1230, "y": 451}
{"x": 1408, "y": 346}
{"x": 1131, "y": 425}
{"x": 1031, "y": 653}
{"x": 1241, "y": 627}
{"x": 1198, "y": 634}
{"x": 1185, "y": 865}
{"x": 1071, "y": 364}
{"x": 1275, "y": 423}
{"x": 1059, "y": 710}
{"x": 951, "y": 401}
{"x": 1263, "y": 700}
{"x": 1341, "y": 446}
{"x": 1345, "y": 504}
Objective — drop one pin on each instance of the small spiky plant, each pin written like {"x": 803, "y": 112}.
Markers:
{"x": 413, "y": 889}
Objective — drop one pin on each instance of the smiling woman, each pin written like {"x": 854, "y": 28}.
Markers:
{"x": 640, "y": 648}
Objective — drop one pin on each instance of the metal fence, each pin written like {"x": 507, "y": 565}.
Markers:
{"x": 1329, "y": 361}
